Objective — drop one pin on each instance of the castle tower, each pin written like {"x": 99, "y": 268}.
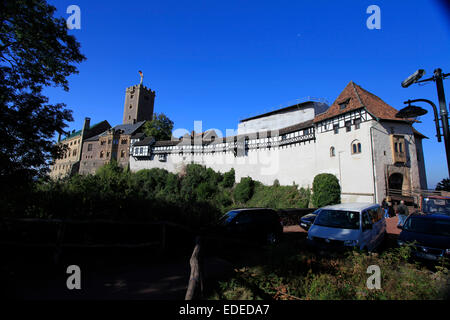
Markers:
{"x": 139, "y": 103}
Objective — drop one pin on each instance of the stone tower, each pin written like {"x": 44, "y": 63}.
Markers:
{"x": 139, "y": 103}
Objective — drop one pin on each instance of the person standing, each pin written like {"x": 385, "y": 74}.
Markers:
{"x": 402, "y": 212}
{"x": 385, "y": 206}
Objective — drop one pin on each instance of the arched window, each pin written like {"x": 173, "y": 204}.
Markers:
{"x": 356, "y": 147}
{"x": 332, "y": 152}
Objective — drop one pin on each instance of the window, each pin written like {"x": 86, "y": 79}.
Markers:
{"x": 124, "y": 141}
{"x": 74, "y": 153}
{"x": 102, "y": 142}
{"x": 357, "y": 123}
{"x": 122, "y": 153}
{"x": 131, "y": 106}
{"x": 398, "y": 148}
{"x": 75, "y": 142}
{"x": 90, "y": 147}
{"x": 332, "y": 152}
{"x": 336, "y": 128}
{"x": 116, "y": 141}
{"x": 71, "y": 143}
{"x": 107, "y": 154}
{"x": 102, "y": 154}
{"x": 356, "y": 147}
{"x": 109, "y": 141}
{"x": 343, "y": 105}
{"x": 366, "y": 221}
{"x": 348, "y": 126}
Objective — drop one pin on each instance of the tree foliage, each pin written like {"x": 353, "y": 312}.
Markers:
{"x": 443, "y": 185}
{"x": 160, "y": 127}
{"x": 326, "y": 190}
{"x": 36, "y": 51}
{"x": 244, "y": 190}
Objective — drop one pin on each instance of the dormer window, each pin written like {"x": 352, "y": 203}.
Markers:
{"x": 343, "y": 104}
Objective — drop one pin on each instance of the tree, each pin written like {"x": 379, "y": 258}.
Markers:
{"x": 244, "y": 190}
{"x": 444, "y": 185}
{"x": 326, "y": 190}
{"x": 160, "y": 127}
{"x": 35, "y": 52}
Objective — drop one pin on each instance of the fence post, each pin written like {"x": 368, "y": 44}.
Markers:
{"x": 195, "y": 279}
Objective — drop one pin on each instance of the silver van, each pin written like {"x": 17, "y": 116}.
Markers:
{"x": 360, "y": 225}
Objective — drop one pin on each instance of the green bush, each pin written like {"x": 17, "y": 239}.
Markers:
{"x": 326, "y": 190}
{"x": 228, "y": 179}
{"x": 244, "y": 190}
{"x": 279, "y": 197}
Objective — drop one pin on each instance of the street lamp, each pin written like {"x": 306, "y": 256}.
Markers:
{"x": 413, "y": 111}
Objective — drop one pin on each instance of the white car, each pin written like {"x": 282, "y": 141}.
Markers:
{"x": 360, "y": 225}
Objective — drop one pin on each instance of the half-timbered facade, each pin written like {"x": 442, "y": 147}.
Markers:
{"x": 358, "y": 139}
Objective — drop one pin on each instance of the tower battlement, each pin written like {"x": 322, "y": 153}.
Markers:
{"x": 139, "y": 103}
{"x": 141, "y": 87}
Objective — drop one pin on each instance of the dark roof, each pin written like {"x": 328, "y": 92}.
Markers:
{"x": 419, "y": 135}
{"x": 293, "y": 107}
{"x": 166, "y": 143}
{"x": 145, "y": 142}
{"x": 260, "y": 134}
{"x": 77, "y": 133}
{"x": 356, "y": 98}
{"x": 128, "y": 128}
{"x": 137, "y": 135}
{"x": 94, "y": 138}
{"x": 296, "y": 127}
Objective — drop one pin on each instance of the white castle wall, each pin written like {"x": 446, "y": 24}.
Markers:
{"x": 282, "y": 119}
{"x": 361, "y": 179}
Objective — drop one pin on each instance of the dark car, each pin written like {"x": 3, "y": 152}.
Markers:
{"x": 430, "y": 233}
{"x": 259, "y": 224}
{"x": 435, "y": 204}
{"x": 307, "y": 220}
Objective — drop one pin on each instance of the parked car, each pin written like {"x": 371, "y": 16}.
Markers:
{"x": 435, "y": 204}
{"x": 258, "y": 224}
{"x": 307, "y": 220}
{"x": 360, "y": 225}
{"x": 430, "y": 234}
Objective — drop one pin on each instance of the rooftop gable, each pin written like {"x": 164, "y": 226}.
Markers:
{"x": 355, "y": 98}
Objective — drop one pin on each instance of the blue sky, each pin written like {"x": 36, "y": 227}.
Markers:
{"x": 222, "y": 61}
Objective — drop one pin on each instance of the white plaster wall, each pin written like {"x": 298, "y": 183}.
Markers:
{"x": 282, "y": 120}
{"x": 354, "y": 171}
{"x": 360, "y": 179}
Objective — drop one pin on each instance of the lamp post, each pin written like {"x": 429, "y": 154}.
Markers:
{"x": 413, "y": 111}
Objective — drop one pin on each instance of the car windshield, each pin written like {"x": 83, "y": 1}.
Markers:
{"x": 227, "y": 217}
{"x": 338, "y": 219}
{"x": 431, "y": 205}
{"x": 430, "y": 226}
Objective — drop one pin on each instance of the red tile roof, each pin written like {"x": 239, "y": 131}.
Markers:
{"x": 356, "y": 98}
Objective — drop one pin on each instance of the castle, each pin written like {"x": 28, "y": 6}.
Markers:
{"x": 359, "y": 139}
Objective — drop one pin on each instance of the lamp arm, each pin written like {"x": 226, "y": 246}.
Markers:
{"x": 436, "y": 117}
